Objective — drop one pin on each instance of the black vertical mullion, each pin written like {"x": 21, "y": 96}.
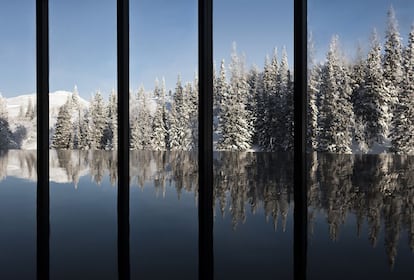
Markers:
{"x": 300, "y": 101}
{"x": 205, "y": 139}
{"x": 123, "y": 138}
{"x": 42, "y": 105}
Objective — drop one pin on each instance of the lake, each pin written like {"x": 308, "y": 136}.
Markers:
{"x": 360, "y": 215}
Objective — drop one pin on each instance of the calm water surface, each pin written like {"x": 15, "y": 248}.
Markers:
{"x": 361, "y": 216}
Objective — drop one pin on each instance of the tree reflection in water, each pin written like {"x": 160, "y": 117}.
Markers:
{"x": 377, "y": 189}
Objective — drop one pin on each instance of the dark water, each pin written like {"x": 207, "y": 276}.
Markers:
{"x": 361, "y": 216}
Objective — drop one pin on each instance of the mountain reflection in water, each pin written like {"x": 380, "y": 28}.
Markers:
{"x": 376, "y": 190}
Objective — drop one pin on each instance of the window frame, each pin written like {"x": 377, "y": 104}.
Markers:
{"x": 205, "y": 147}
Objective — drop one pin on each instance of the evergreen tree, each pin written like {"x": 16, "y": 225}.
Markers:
{"x": 30, "y": 113}
{"x": 402, "y": 141}
{"x": 371, "y": 105}
{"x": 335, "y": 112}
{"x": 261, "y": 117}
{"x": 21, "y": 112}
{"x": 392, "y": 62}
{"x": 313, "y": 98}
{"x": 85, "y": 132}
{"x": 76, "y": 113}
{"x": 165, "y": 114}
{"x": 97, "y": 122}
{"x": 216, "y": 97}
{"x": 157, "y": 90}
{"x": 159, "y": 126}
{"x": 255, "y": 82}
{"x": 3, "y": 108}
{"x": 290, "y": 123}
{"x": 6, "y": 136}
{"x": 181, "y": 127}
{"x": 236, "y": 130}
{"x": 222, "y": 88}
{"x": 75, "y": 98}
{"x": 62, "y": 138}
{"x": 110, "y": 134}
{"x": 357, "y": 83}
{"x": 191, "y": 91}
{"x": 283, "y": 116}
{"x": 269, "y": 125}
{"x": 141, "y": 123}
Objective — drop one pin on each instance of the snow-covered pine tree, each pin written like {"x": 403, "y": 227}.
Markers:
{"x": 216, "y": 98}
{"x": 165, "y": 113}
{"x": 221, "y": 93}
{"x": 255, "y": 81}
{"x": 402, "y": 141}
{"x": 3, "y": 108}
{"x": 6, "y": 137}
{"x": 85, "y": 131}
{"x": 357, "y": 82}
{"x": 191, "y": 91}
{"x": 141, "y": 123}
{"x": 21, "y": 112}
{"x": 75, "y": 98}
{"x": 313, "y": 97}
{"x": 392, "y": 61}
{"x": 179, "y": 122}
{"x": 157, "y": 91}
{"x": 190, "y": 117}
{"x": 159, "y": 127}
{"x": 283, "y": 116}
{"x": 97, "y": 122}
{"x": 110, "y": 134}
{"x": 290, "y": 122}
{"x": 268, "y": 126}
{"x": 30, "y": 113}
{"x": 76, "y": 113}
{"x": 135, "y": 107}
{"x": 236, "y": 129}
{"x": 63, "y": 136}
{"x": 335, "y": 113}
{"x": 371, "y": 105}
{"x": 262, "y": 99}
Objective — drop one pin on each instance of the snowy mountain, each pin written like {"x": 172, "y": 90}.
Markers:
{"x": 56, "y": 100}
{"x": 18, "y": 105}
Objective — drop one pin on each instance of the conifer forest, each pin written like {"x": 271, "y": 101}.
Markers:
{"x": 359, "y": 105}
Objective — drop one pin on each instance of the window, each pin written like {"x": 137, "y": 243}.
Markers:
{"x": 197, "y": 160}
{"x": 253, "y": 139}
{"x": 17, "y": 167}
{"x": 359, "y": 84}
{"x": 164, "y": 122}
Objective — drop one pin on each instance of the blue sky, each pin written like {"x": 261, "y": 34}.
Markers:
{"x": 354, "y": 20}
{"x": 164, "y": 37}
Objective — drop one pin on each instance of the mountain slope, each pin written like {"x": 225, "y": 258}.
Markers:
{"x": 17, "y": 105}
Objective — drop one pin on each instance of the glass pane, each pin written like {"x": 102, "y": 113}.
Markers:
{"x": 18, "y": 76}
{"x": 17, "y": 131}
{"x": 83, "y": 119}
{"x": 253, "y": 139}
{"x": 164, "y": 119}
{"x": 83, "y": 214}
{"x": 360, "y": 109}
{"x": 18, "y": 214}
